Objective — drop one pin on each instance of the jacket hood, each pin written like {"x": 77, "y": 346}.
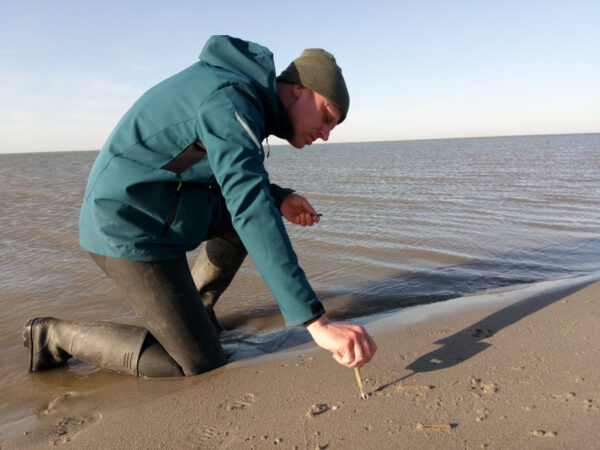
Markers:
{"x": 255, "y": 62}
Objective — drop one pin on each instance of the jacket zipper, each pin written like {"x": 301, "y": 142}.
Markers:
{"x": 173, "y": 211}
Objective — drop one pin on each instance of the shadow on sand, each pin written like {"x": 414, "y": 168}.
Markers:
{"x": 471, "y": 340}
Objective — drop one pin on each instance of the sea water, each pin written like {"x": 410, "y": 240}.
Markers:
{"x": 404, "y": 223}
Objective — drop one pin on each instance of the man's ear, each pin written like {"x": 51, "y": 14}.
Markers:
{"x": 298, "y": 90}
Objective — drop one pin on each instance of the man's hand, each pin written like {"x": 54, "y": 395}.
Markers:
{"x": 298, "y": 210}
{"x": 350, "y": 345}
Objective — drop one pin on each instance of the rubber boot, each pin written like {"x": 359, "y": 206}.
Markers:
{"x": 214, "y": 269}
{"x": 52, "y": 342}
{"x": 164, "y": 295}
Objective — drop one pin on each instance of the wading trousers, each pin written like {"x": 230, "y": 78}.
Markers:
{"x": 180, "y": 335}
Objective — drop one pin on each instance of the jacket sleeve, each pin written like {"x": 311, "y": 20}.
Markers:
{"x": 279, "y": 193}
{"x": 230, "y": 126}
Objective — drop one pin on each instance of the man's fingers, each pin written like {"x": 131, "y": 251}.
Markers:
{"x": 364, "y": 350}
{"x": 345, "y": 359}
{"x": 364, "y": 347}
{"x": 306, "y": 219}
{"x": 308, "y": 207}
{"x": 298, "y": 210}
{"x": 350, "y": 345}
{"x": 369, "y": 345}
{"x": 370, "y": 348}
{"x": 338, "y": 358}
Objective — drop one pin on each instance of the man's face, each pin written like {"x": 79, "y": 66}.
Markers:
{"x": 312, "y": 116}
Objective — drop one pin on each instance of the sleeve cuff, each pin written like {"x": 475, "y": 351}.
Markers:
{"x": 278, "y": 193}
{"x": 313, "y": 312}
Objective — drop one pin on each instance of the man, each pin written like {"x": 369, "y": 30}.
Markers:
{"x": 183, "y": 166}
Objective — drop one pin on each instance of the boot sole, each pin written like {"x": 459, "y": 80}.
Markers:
{"x": 28, "y": 341}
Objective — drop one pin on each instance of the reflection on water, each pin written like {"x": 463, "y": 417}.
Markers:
{"x": 403, "y": 223}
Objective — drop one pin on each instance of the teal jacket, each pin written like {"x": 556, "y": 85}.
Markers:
{"x": 156, "y": 188}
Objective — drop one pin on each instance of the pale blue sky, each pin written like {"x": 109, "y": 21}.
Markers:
{"x": 415, "y": 69}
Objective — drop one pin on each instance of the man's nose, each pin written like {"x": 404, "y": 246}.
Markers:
{"x": 324, "y": 132}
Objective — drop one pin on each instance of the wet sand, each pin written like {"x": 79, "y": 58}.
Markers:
{"x": 521, "y": 372}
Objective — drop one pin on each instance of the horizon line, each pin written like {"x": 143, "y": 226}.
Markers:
{"x": 352, "y": 142}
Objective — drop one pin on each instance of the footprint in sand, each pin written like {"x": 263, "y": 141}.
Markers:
{"x": 317, "y": 410}
{"x": 564, "y": 397}
{"x": 487, "y": 388}
{"x": 482, "y": 333}
{"x": 246, "y": 401}
{"x": 211, "y": 437}
{"x": 58, "y": 400}
{"x": 483, "y": 414}
{"x": 69, "y": 427}
{"x": 589, "y": 405}
{"x": 314, "y": 441}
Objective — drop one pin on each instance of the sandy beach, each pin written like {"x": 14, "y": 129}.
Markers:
{"x": 519, "y": 372}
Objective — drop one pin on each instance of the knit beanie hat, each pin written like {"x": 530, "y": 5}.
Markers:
{"x": 316, "y": 69}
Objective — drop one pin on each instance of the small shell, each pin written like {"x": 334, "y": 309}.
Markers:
{"x": 435, "y": 426}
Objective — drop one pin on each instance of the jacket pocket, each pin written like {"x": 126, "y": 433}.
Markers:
{"x": 173, "y": 210}
{"x": 186, "y": 158}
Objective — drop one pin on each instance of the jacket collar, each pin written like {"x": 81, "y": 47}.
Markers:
{"x": 255, "y": 63}
{"x": 278, "y": 124}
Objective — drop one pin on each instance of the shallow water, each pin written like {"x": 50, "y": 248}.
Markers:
{"x": 403, "y": 223}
